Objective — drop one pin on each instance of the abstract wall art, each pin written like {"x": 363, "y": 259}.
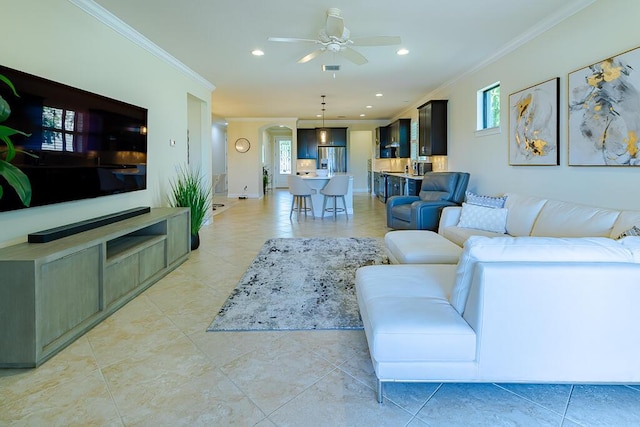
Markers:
{"x": 604, "y": 112}
{"x": 533, "y": 125}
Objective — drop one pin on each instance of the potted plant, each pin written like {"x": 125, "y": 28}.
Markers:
{"x": 190, "y": 190}
{"x": 14, "y": 176}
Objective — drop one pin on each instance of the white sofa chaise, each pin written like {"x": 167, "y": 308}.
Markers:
{"x": 514, "y": 309}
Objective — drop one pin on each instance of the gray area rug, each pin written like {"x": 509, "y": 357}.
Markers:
{"x": 300, "y": 284}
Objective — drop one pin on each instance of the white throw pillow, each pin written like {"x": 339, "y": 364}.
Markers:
{"x": 483, "y": 218}
{"x": 533, "y": 249}
{"x": 488, "y": 201}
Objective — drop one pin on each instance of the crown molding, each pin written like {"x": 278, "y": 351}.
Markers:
{"x": 115, "y": 23}
{"x": 569, "y": 9}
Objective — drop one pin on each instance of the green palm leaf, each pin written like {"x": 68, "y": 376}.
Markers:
{"x": 17, "y": 180}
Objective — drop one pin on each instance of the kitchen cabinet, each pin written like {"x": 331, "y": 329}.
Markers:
{"x": 307, "y": 144}
{"x": 400, "y": 132}
{"x": 432, "y": 125}
{"x": 413, "y": 186}
{"x": 336, "y": 137}
{"x": 395, "y": 185}
{"x": 382, "y": 140}
{"x": 379, "y": 184}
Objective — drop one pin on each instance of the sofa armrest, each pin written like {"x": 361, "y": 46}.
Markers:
{"x": 449, "y": 217}
{"x": 555, "y": 321}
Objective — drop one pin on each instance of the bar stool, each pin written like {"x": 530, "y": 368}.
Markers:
{"x": 300, "y": 191}
{"x": 337, "y": 186}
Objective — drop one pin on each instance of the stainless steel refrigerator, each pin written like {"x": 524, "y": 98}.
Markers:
{"x": 332, "y": 158}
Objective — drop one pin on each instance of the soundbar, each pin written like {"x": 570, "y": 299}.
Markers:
{"x": 56, "y": 233}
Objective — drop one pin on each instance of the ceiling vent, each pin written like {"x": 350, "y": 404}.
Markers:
{"x": 330, "y": 68}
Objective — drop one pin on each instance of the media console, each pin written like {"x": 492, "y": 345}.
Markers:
{"x": 52, "y": 293}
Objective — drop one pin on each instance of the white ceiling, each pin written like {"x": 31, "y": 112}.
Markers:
{"x": 446, "y": 38}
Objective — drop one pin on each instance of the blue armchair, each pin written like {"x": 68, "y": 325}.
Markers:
{"x": 438, "y": 190}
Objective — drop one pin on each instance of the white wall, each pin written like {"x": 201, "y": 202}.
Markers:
{"x": 360, "y": 152}
{"x": 245, "y": 169}
{"x": 604, "y": 29}
{"x": 59, "y": 41}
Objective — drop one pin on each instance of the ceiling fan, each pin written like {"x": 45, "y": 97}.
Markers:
{"x": 335, "y": 37}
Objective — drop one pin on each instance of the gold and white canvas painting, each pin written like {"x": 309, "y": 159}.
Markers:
{"x": 604, "y": 112}
{"x": 533, "y": 125}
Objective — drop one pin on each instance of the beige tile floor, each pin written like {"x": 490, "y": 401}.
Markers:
{"x": 152, "y": 363}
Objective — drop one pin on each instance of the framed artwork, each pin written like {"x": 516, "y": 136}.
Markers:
{"x": 604, "y": 112}
{"x": 533, "y": 125}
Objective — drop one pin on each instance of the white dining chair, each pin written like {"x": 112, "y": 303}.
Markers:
{"x": 301, "y": 192}
{"x": 337, "y": 186}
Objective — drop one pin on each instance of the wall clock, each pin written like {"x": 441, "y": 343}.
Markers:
{"x": 242, "y": 145}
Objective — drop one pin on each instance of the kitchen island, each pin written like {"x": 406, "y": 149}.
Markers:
{"x": 318, "y": 183}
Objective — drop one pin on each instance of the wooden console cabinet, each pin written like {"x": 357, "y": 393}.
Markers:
{"x": 52, "y": 293}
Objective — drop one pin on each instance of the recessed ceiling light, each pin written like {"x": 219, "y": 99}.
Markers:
{"x": 362, "y": 115}
{"x": 378, "y": 95}
{"x": 402, "y": 51}
{"x": 369, "y": 106}
{"x": 257, "y": 52}
{"x": 318, "y": 115}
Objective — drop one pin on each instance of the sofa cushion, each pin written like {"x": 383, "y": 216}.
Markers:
{"x": 531, "y": 249}
{"x": 407, "y": 315}
{"x": 523, "y": 211}
{"x": 459, "y": 235}
{"x": 420, "y": 247}
{"x": 483, "y": 218}
{"x": 488, "y": 201}
{"x": 563, "y": 219}
{"x": 625, "y": 221}
{"x": 633, "y": 244}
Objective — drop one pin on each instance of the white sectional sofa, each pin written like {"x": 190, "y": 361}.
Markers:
{"x": 553, "y": 301}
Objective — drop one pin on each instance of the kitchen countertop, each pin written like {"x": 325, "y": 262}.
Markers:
{"x": 405, "y": 175}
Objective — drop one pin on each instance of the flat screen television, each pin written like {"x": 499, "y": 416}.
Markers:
{"x": 76, "y": 144}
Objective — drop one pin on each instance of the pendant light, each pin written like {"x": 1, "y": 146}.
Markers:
{"x": 323, "y": 131}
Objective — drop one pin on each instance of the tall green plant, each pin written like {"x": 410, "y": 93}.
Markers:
{"x": 189, "y": 190}
{"x": 14, "y": 176}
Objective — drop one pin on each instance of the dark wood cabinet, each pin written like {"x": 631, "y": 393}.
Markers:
{"x": 432, "y": 125}
{"x": 309, "y": 140}
{"x": 307, "y": 144}
{"x": 395, "y": 185}
{"x": 397, "y": 133}
{"x": 382, "y": 140}
{"x": 400, "y": 132}
{"x": 336, "y": 137}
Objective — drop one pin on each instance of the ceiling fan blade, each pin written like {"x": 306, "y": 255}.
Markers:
{"x": 353, "y": 56}
{"x": 311, "y": 56}
{"x": 335, "y": 26}
{"x": 377, "y": 41}
{"x": 291, "y": 40}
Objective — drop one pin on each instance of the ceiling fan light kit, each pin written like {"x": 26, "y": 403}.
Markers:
{"x": 336, "y": 38}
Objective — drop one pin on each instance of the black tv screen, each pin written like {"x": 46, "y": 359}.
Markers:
{"x": 59, "y": 143}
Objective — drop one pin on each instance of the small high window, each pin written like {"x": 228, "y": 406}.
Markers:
{"x": 489, "y": 107}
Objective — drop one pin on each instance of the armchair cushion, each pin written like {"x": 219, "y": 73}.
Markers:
{"x": 432, "y": 196}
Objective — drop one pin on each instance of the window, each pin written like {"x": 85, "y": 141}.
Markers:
{"x": 489, "y": 107}
{"x": 57, "y": 127}
{"x": 284, "y": 146}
